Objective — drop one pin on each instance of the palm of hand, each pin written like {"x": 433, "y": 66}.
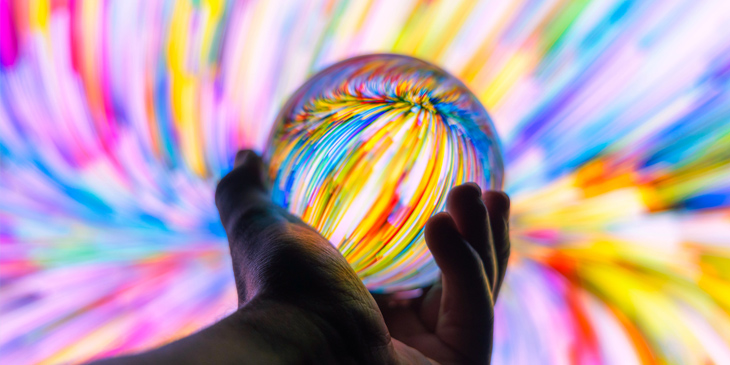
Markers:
{"x": 419, "y": 325}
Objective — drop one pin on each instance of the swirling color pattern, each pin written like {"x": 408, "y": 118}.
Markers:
{"x": 367, "y": 150}
{"x": 117, "y": 117}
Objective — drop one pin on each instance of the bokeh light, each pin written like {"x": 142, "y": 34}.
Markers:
{"x": 117, "y": 117}
{"x": 366, "y": 152}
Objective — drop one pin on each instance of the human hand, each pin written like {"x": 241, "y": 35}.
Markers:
{"x": 293, "y": 285}
{"x": 301, "y": 302}
{"x": 301, "y": 295}
{"x": 452, "y": 321}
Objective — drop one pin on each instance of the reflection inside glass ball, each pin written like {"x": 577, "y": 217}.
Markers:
{"x": 368, "y": 149}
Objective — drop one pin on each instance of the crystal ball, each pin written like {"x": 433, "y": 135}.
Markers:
{"x": 368, "y": 149}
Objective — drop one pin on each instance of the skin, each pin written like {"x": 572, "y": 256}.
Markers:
{"x": 300, "y": 302}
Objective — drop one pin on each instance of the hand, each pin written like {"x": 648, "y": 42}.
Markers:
{"x": 293, "y": 286}
{"x": 452, "y": 322}
{"x": 282, "y": 262}
{"x": 301, "y": 302}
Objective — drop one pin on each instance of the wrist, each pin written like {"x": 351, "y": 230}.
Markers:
{"x": 285, "y": 333}
{"x": 327, "y": 334}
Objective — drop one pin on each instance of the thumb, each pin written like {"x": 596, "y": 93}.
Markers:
{"x": 243, "y": 191}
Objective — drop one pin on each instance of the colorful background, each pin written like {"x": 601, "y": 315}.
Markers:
{"x": 117, "y": 118}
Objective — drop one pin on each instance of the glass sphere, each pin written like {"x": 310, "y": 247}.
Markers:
{"x": 368, "y": 149}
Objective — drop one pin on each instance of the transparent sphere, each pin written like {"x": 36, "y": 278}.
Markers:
{"x": 368, "y": 149}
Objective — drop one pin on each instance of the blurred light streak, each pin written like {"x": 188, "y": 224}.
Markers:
{"x": 117, "y": 118}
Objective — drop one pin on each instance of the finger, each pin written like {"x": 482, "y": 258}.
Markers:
{"x": 463, "y": 276}
{"x": 498, "y": 204}
{"x": 465, "y": 205}
{"x": 246, "y": 157}
{"x": 246, "y": 212}
{"x": 465, "y": 314}
{"x": 242, "y": 191}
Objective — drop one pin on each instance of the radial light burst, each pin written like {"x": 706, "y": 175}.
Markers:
{"x": 117, "y": 118}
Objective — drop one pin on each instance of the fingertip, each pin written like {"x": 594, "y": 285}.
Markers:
{"x": 469, "y": 190}
{"x": 474, "y": 186}
{"x": 443, "y": 239}
{"x": 241, "y": 156}
{"x": 249, "y": 164}
{"x": 245, "y": 157}
{"x": 497, "y": 201}
{"x": 439, "y": 227}
{"x": 463, "y": 198}
{"x": 451, "y": 252}
{"x": 247, "y": 176}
